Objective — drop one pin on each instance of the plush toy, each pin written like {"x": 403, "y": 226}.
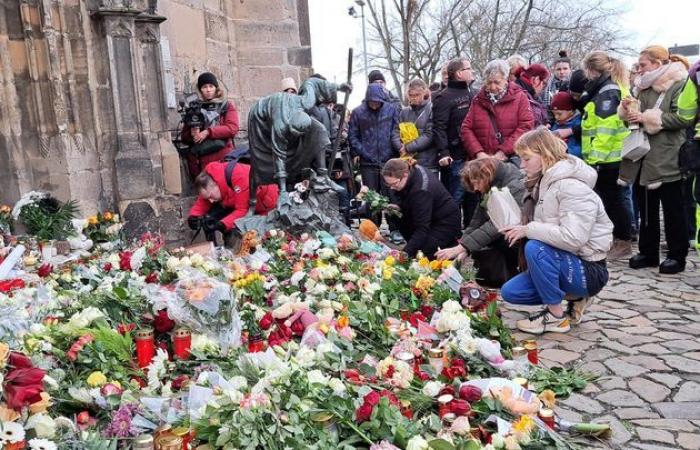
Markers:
{"x": 292, "y": 312}
{"x": 80, "y": 241}
{"x": 249, "y": 242}
{"x": 369, "y": 230}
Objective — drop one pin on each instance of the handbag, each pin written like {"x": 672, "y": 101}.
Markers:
{"x": 689, "y": 156}
{"x": 636, "y": 145}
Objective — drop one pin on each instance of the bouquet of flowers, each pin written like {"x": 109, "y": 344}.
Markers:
{"x": 45, "y": 217}
{"x": 103, "y": 227}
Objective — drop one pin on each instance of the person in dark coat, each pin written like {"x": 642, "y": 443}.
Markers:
{"x": 376, "y": 77}
{"x": 429, "y": 214}
{"x": 481, "y": 240}
{"x": 419, "y": 117}
{"x": 450, "y": 106}
{"x": 533, "y": 81}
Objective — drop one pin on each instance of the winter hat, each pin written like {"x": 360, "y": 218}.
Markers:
{"x": 375, "y": 75}
{"x": 207, "y": 78}
{"x": 577, "y": 82}
{"x": 562, "y": 101}
{"x": 289, "y": 83}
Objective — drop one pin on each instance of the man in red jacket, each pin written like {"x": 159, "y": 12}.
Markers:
{"x": 221, "y": 202}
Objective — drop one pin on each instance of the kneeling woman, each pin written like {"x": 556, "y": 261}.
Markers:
{"x": 495, "y": 261}
{"x": 429, "y": 216}
{"x": 569, "y": 235}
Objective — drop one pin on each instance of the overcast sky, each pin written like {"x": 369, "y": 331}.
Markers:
{"x": 333, "y": 31}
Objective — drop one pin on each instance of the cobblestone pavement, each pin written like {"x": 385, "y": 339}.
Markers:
{"x": 641, "y": 336}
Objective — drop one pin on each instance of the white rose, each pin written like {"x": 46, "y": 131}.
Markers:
{"x": 417, "y": 443}
{"x": 432, "y": 388}
{"x": 324, "y": 348}
{"x": 173, "y": 264}
{"x": 197, "y": 259}
{"x": 497, "y": 441}
{"x": 337, "y": 385}
{"x": 317, "y": 377}
{"x": 451, "y": 306}
{"x": 113, "y": 259}
{"x": 43, "y": 425}
{"x": 468, "y": 345}
{"x": 305, "y": 356}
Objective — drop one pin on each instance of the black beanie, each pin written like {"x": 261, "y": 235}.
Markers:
{"x": 577, "y": 82}
{"x": 206, "y": 78}
{"x": 374, "y": 76}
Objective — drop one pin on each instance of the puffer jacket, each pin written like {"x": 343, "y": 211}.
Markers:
{"x": 369, "y": 131}
{"x": 569, "y": 215}
{"x": 481, "y": 232}
{"x": 665, "y": 128}
{"x": 513, "y": 116}
{"x": 422, "y": 148}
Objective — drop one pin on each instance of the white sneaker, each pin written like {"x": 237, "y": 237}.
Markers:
{"x": 543, "y": 322}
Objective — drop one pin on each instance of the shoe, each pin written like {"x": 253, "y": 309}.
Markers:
{"x": 670, "y": 266}
{"x": 576, "y": 308}
{"x": 620, "y": 249}
{"x": 396, "y": 238}
{"x": 640, "y": 261}
{"x": 544, "y": 321}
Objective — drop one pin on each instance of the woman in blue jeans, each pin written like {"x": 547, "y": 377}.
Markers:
{"x": 568, "y": 232}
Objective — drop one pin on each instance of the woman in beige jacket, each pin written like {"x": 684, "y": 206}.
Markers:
{"x": 568, "y": 236}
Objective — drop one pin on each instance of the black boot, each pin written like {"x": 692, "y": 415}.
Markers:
{"x": 670, "y": 266}
{"x": 640, "y": 261}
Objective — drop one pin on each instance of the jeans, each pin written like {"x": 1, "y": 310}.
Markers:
{"x": 450, "y": 178}
{"x": 670, "y": 195}
{"x": 372, "y": 178}
{"x": 551, "y": 274}
{"x": 613, "y": 197}
{"x": 633, "y": 209}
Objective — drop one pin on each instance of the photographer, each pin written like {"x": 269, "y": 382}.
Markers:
{"x": 218, "y": 124}
{"x": 223, "y": 200}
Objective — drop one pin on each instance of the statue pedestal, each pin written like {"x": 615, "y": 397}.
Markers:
{"x": 318, "y": 212}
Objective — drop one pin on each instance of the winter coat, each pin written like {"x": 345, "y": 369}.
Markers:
{"x": 602, "y": 131}
{"x": 226, "y": 129}
{"x": 539, "y": 110}
{"x": 370, "y": 131}
{"x": 481, "y": 232}
{"x": 573, "y": 142}
{"x": 513, "y": 116}
{"x": 237, "y": 198}
{"x": 429, "y": 214}
{"x": 423, "y": 148}
{"x": 569, "y": 215}
{"x": 664, "y": 127}
{"x": 450, "y": 106}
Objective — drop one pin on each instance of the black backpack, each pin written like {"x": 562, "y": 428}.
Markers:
{"x": 232, "y": 158}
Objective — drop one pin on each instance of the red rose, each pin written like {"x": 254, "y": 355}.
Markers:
{"x": 390, "y": 395}
{"x": 266, "y": 321}
{"x": 180, "y": 381}
{"x": 390, "y": 371}
{"x": 23, "y": 387}
{"x": 152, "y": 277}
{"x": 427, "y": 310}
{"x": 457, "y": 363}
{"x": 125, "y": 261}
{"x": 45, "y": 270}
{"x": 298, "y": 328}
{"x": 415, "y": 318}
{"x": 424, "y": 376}
{"x": 372, "y": 398}
{"x": 162, "y": 323}
{"x": 407, "y": 412}
{"x": 83, "y": 417}
{"x": 364, "y": 412}
{"x": 449, "y": 389}
{"x": 124, "y": 328}
{"x": 470, "y": 393}
{"x": 460, "y": 407}
{"x": 19, "y": 361}
{"x": 107, "y": 267}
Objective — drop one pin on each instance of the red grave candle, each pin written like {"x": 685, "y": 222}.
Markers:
{"x": 145, "y": 346}
{"x": 182, "y": 343}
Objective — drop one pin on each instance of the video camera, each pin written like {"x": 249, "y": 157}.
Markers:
{"x": 206, "y": 225}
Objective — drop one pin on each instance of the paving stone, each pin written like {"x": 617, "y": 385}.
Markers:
{"x": 635, "y": 413}
{"x": 610, "y": 383}
{"x": 595, "y": 368}
{"x": 619, "y": 397}
{"x": 624, "y": 313}
{"x": 681, "y": 363}
{"x": 639, "y": 330}
{"x": 685, "y": 345}
{"x": 652, "y": 447}
{"x": 661, "y": 315}
{"x": 595, "y": 336}
{"x": 623, "y": 368}
{"x": 579, "y": 346}
{"x": 617, "y": 347}
{"x": 598, "y": 354}
{"x": 579, "y": 402}
{"x": 568, "y": 415}
{"x": 693, "y": 355}
{"x": 670, "y": 335}
{"x": 559, "y": 356}
{"x": 653, "y": 349}
{"x": 650, "y": 391}
{"x": 649, "y": 362}
{"x": 666, "y": 378}
{"x": 689, "y": 392}
{"x": 666, "y": 424}
{"x": 678, "y": 410}
{"x": 620, "y": 434}
{"x": 652, "y": 434}
{"x": 688, "y": 441}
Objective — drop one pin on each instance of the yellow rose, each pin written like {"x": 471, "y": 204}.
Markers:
{"x": 96, "y": 379}
{"x": 387, "y": 273}
{"x": 424, "y": 262}
{"x": 390, "y": 261}
{"x": 92, "y": 220}
{"x": 108, "y": 216}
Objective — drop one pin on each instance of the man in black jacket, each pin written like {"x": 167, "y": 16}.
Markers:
{"x": 450, "y": 106}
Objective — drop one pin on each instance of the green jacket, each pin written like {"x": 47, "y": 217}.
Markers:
{"x": 481, "y": 232}
{"x": 665, "y": 128}
{"x": 602, "y": 130}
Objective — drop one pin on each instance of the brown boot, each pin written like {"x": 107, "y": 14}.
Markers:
{"x": 620, "y": 249}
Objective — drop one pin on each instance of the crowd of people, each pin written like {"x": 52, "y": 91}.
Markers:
{"x": 588, "y": 151}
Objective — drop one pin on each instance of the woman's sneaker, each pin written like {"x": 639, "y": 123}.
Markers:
{"x": 577, "y": 307}
{"x": 544, "y": 322}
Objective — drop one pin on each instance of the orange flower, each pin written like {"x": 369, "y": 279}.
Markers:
{"x": 343, "y": 321}
{"x": 42, "y": 405}
{"x": 92, "y": 220}
{"x": 8, "y": 414}
{"x": 108, "y": 216}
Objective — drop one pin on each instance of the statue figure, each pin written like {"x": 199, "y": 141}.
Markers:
{"x": 285, "y": 140}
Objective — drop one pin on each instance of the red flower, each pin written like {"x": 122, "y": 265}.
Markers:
{"x": 45, "y": 270}
{"x": 10, "y": 285}
{"x": 447, "y": 390}
{"x": 390, "y": 371}
{"x": 470, "y": 393}
{"x": 83, "y": 417}
{"x": 78, "y": 345}
{"x": 18, "y": 360}
{"x": 460, "y": 407}
{"x": 180, "y": 381}
{"x": 427, "y": 310}
{"x": 415, "y": 318}
{"x": 266, "y": 321}
{"x": 407, "y": 412}
{"x": 124, "y": 328}
{"x": 162, "y": 323}
{"x": 298, "y": 328}
{"x": 125, "y": 261}
{"x": 152, "y": 277}
{"x": 424, "y": 376}
{"x": 372, "y": 398}
{"x": 390, "y": 395}
{"x": 107, "y": 267}
{"x": 23, "y": 387}
{"x": 364, "y": 412}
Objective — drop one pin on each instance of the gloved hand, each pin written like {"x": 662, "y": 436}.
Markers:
{"x": 194, "y": 222}
{"x": 345, "y": 87}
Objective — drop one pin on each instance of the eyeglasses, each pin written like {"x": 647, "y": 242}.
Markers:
{"x": 465, "y": 68}
{"x": 393, "y": 184}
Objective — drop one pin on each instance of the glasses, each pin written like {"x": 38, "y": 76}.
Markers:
{"x": 465, "y": 68}
{"x": 393, "y": 184}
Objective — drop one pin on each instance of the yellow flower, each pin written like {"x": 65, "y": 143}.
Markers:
{"x": 435, "y": 265}
{"x": 4, "y": 353}
{"x": 424, "y": 262}
{"x": 445, "y": 263}
{"x": 387, "y": 273}
{"x": 548, "y": 397}
{"x": 523, "y": 425}
{"x": 42, "y": 405}
{"x": 324, "y": 328}
{"x": 92, "y": 220}
{"x": 96, "y": 379}
{"x": 108, "y": 216}
{"x": 390, "y": 261}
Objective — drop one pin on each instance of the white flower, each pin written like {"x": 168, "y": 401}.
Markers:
{"x": 113, "y": 260}
{"x": 203, "y": 342}
{"x": 511, "y": 443}
{"x": 173, "y": 264}
{"x": 84, "y": 318}
{"x": 137, "y": 259}
{"x": 27, "y": 199}
{"x": 337, "y": 385}
{"x": 461, "y": 426}
{"x": 451, "y": 306}
{"x": 417, "y": 443}
{"x": 432, "y": 388}
{"x": 305, "y": 356}
{"x": 317, "y": 377}
{"x": 114, "y": 229}
{"x": 42, "y": 444}
{"x": 497, "y": 441}
{"x": 82, "y": 395}
{"x": 11, "y": 432}
{"x": 43, "y": 425}
{"x": 468, "y": 345}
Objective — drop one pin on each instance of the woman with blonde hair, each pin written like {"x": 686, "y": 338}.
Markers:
{"x": 569, "y": 235}
{"x": 657, "y": 177}
{"x": 602, "y": 136}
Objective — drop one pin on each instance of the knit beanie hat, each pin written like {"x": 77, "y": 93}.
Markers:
{"x": 207, "y": 78}
{"x": 375, "y": 75}
{"x": 562, "y": 101}
{"x": 577, "y": 82}
{"x": 288, "y": 83}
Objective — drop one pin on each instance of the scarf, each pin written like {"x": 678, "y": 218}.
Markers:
{"x": 494, "y": 98}
{"x": 531, "y": 198}
{"x": 645, "y": 81}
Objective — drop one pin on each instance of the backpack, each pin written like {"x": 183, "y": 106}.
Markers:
{"x": 232, "y": 159}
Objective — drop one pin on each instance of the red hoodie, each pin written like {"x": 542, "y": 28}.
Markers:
{"x": 236, "y": 199}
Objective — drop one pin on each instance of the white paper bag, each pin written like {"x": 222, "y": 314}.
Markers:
{"x": 502, "y": 208}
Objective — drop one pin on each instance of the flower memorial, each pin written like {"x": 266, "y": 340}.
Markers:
{"x": 307, "y": 342}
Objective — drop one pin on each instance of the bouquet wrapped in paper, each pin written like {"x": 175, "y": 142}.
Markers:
{"x": 502, "y": 208}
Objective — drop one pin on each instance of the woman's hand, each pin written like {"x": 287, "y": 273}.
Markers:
{"x": 634, "y": 117}
{"x": 500, "y": 156}
{"x": 458, "y": 252}
{"x": 202, "y": 135}
{"x": 514, "y": 233}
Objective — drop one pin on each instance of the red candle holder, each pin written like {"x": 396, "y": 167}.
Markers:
{"x": 182, "y": 343}
{"x": 145, "y": 346}
{"x": 405, "y": 314}
{"x": 532, "y": 354}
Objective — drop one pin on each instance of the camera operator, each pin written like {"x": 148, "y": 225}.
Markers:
{"x": 218, "y": 117}
{"x": 222, "y": 201}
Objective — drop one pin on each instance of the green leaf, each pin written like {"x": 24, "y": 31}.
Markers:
{"x": 121, "y": 293}
{"x": 441, "y": 444}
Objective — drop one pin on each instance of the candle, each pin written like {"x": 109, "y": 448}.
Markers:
{"x": 437, "y": 359}
{"x": 145, "y": 346}
{"x": 547, "y": 416}
{"x": 182, "y": 342}
{"x": 531, "y": 348}
{"x": 444, "y": 404}
{"x": 143, "y": 442}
